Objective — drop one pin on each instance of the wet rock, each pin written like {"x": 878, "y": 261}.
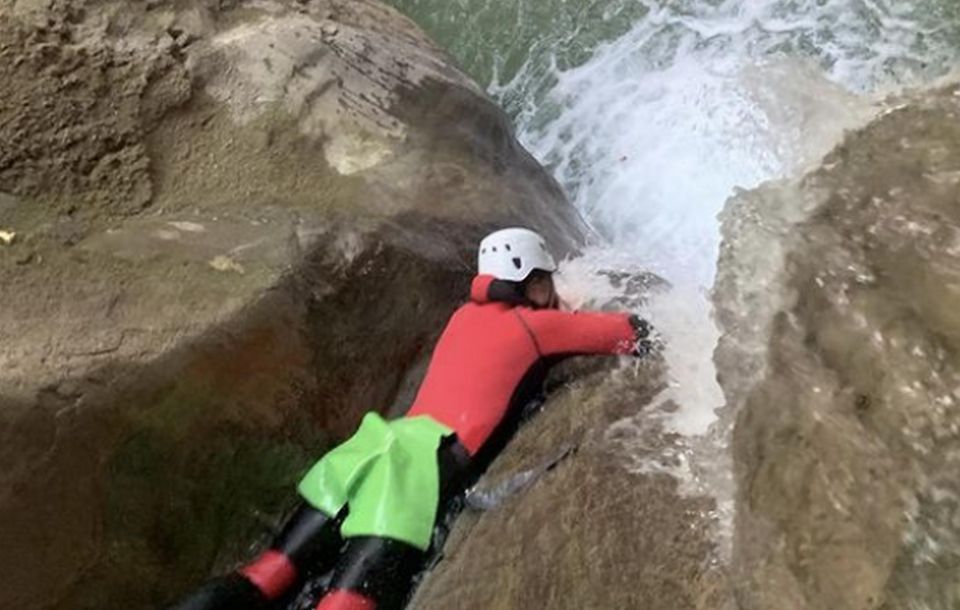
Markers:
{"x": 239, "y": 242}
{"x": 839, "y": 295}
{"x": 600, "y": 529}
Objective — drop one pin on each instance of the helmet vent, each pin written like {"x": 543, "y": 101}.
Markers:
{"x": 507, "y": 246}
{"x": 517, "y": 262}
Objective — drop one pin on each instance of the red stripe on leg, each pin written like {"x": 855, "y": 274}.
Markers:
{"x": 273, "y": 573}
{"x": 341, "y": 599}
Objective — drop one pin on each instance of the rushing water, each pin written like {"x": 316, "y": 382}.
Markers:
{"x": 652, "y": 112}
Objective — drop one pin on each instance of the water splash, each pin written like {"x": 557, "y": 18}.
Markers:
{"x": 654, "y": 133}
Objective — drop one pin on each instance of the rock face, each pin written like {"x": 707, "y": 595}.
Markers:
{"x": 602, "y": 529}
{"x": 230, "y": 228}
{"x": 840, "y": 298}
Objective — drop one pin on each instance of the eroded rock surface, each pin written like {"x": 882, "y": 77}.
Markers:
{"x": 598, "y": 530}
{"x": 236, "y": 225}
{"x": 840, "y": 299}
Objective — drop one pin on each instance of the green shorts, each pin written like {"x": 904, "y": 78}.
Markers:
{"x": 387, "y": 474}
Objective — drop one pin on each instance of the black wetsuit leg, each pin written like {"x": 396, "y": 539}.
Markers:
{"x": 310, "y": 540}
{"x": 377, "y": 573}
{"x": 379, "y": 570}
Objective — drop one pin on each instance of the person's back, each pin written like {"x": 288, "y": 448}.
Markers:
{"x": 488, "y": 348}
{"x": 481, "y": 357}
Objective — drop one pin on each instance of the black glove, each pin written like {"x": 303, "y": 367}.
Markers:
{"x": 641, "y": 334}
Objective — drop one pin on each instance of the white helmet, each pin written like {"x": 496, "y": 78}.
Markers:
{"x": 511, "y": 254}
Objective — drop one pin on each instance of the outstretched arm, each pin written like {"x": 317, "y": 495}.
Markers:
{"x": 561, "y": 332}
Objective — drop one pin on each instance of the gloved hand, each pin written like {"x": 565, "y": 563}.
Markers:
{"x": 641, "y": 332}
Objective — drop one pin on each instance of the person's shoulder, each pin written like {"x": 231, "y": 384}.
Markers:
{"x": 472, "y": 308}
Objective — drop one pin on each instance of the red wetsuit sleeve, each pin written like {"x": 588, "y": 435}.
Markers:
{"x": 562, "y": 332}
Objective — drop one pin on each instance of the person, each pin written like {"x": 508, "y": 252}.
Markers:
{"x": 369, "y": 505}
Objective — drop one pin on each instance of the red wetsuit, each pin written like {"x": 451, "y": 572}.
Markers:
{"x": 489, "y": 352}
{"x": 487, "y": 349}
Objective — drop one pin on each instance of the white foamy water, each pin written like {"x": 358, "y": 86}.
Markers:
{"x": 654, "y": 133}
